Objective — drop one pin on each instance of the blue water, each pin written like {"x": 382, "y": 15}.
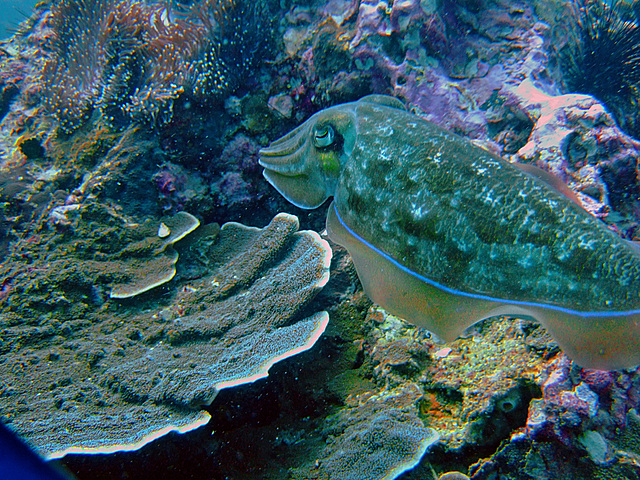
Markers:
{"x": 12, "y": 12}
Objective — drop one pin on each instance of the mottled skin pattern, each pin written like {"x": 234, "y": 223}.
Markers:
{"x": 467, "y": 219}
{"x": 462, "y": 217}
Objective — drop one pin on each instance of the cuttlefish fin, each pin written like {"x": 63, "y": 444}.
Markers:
{"x": 384, "y": 100}
{"x": 550, "y": 180}
{"x": 405, "y": 294}
{"x": 600, "y": 340}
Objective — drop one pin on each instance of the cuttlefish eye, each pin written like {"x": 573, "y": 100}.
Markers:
{"x": 324, "y": 136}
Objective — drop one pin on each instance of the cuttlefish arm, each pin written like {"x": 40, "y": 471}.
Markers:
{"x": 304, "y": 165}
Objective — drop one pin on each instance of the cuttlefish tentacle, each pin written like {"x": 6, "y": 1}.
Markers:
{"x": 444, "y": 233}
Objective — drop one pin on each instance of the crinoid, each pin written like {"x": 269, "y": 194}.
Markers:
{"x": 603, "y": 60}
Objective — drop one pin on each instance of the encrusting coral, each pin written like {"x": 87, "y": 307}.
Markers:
{"x": 121, "y": 379}
{"x": 96, "y": 249}
{"x": 381, "y": 438}
{"x": 576, "y": 139}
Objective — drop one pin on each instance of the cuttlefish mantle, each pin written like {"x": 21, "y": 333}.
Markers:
{"x": 444, "y": 233}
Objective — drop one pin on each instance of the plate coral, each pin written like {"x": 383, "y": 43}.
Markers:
{"x": 115, "y": 380}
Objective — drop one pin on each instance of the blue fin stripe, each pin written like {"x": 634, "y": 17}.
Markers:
{"x": 475, "y": 295}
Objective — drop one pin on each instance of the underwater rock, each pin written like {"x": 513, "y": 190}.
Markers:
{"x": 447, "y": 61}
{"x": 584, "y": 426}
{"x": 232, "y": 190}
{"x": 180, "y": 188}
{"x": 494, "y": 394}
{"x": 118, "y": 378}
{"x": 576, "y": 139}
{"x": 381, "y": 18}
{"x": 444, "y": 233}
{"x": 438, "y": 60}
{"x": 282, "y": 105}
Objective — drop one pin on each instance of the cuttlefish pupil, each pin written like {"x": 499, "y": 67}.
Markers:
{"x": 324, "y": 136}
{"x": 444, "y": 233}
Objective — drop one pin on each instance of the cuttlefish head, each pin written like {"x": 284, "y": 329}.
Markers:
{"x": 305, "y": 164}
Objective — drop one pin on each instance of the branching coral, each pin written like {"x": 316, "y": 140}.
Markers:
{"x": 604, "y": 60}
{"x": 129, "y": 61}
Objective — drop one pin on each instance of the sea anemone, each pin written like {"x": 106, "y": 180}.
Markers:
{"x": 128, "y": 61}
{"x": 603, "y": 60}
{"x": 72, "y": 77}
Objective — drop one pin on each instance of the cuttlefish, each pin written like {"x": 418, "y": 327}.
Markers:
{"x": 444, "y": 233}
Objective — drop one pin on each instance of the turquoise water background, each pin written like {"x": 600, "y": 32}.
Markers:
{"x": 13, "y": 12}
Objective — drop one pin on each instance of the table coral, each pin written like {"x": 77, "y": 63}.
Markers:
{"x": 119, "y": 377}
{"x": 157, "y": 265}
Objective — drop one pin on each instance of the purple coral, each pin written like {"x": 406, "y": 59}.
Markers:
{"x": 241, "y": 153}
{"x": 232, "y": 189}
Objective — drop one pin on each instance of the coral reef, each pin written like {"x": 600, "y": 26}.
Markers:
{"x": 586, "y": 417}
{"x": 501, "y": 400}
{"x": 169, "y": 117}
{"x": 140, "y": 76}
{"x": 116, "y": 379}
{"x": 458, "y": 65}
{"x": 447, "y": 62}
